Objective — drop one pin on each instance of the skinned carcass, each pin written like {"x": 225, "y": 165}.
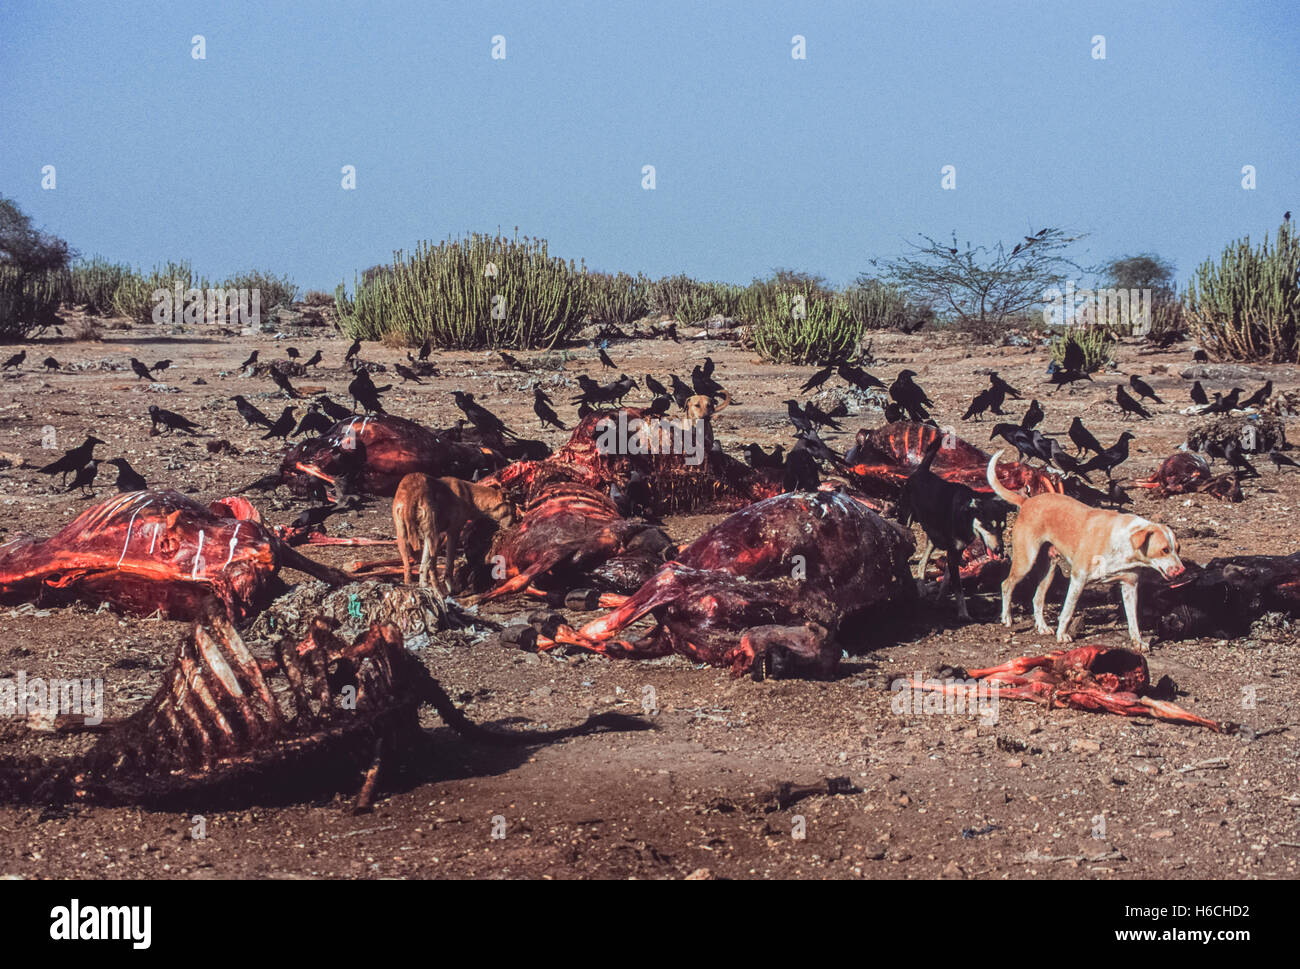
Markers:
{"x": 884, "y": 457}
{"x": 676, "y": 457}
{"x": 227, "y": 723}
{"x": 571, "y": 534}
{"x": 1096, "y": 678}
{"x": 767, "y": 590}
{"x": 155, "y": 551}
{"x": 373, "y": 453}
{"x": 1187, "y": 472}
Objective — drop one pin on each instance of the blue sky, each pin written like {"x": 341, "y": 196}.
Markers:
{"x": 761, "y": 160}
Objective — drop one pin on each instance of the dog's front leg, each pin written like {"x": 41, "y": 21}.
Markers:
{"x": 1077, "y": 582}
{"x": 1128, "y": 591}
{"x": 1040, "y": 599}
{"x": 954, "y": 578}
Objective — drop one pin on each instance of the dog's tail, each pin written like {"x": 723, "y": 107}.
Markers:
{"x": 725, "y": 398}
{"x": 998, "y": 487}
{"x": 930, "y": 454}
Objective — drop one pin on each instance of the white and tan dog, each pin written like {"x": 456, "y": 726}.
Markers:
{"x": 1099, "y": 545}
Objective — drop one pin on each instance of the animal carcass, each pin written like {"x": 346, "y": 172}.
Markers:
{"x": 1186, "y": 472}
{"x": 155, "y": 551}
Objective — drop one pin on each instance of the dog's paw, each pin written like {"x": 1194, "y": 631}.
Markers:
{"x": 1142, "y": 645}
{"x": 1064, "y": 638}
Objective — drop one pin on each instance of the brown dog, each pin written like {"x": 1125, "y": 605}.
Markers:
{"x": 701, "y": 407}
{"x": 1099, "y": 545}
{"x": 434, "y": 511}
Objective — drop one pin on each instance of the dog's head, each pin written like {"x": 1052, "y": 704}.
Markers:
{"x": 989, "y": 520}
{"x": 1157, "y": 546}
{"x": 700, "y": 407}
{"x": 493, "y": 503}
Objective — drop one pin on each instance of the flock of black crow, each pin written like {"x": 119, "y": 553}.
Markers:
{"x": 801, "y": 466}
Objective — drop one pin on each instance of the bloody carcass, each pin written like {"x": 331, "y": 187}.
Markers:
{"x": 675, "y": 457}
{"x": 1097, "y": 678}
{"x": 1187, "y": 472}
{"x": 883, "y": 458}
{"x": 571, "y": 535}
{"x": 228, "y": 723}
{"x": 375, "y": 452}
{"x": 155, "y": 551}
{"x": 768, "y": 590}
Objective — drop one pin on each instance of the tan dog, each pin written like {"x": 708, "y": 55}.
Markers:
{"x": 701, "y": 407}
{"x": 434, "y": 511}
{"x": 1099, "y": 545}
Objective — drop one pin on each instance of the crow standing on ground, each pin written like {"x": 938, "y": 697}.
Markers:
{"x": 817, "y": 379}
{"x": 250, "y": 413}
{"x": 1281, "y": 460}
{"x": 605, "y": 361}
{"x": 84, "y": 478}
{"x": 15, "y": 361}
{"x": 797, "y": 417}
{"x": 292, "y": 353}
{"x": 909, "y": 396}
{"x": 252, "y": 359}
{"x": 128, "y": 478}
{"x": 281, "y": 380}
{"x": 543, "y": 411}
{"x": 363, "y": 390}
{"x": 282, "y": 426}
{"x": 406, "y": 373}
{"x": 313, "y": 422}
{"x": 819, "y": 417}
{"x": 1258, "y": 398}
{"x": 1143, "y": 388}
{"x": 352, "y": 351}
{"x": 859, "y": 378}
{"x": 478, "y": 415}
{"x": 981, "y": 404}
{"x": 681, "y": 392}
{"x": 50, "y": 364}
{"x": 335, "y": 412}
{"x": 1128, "y": 405}
{"x": 1198, "y": 394}
{"x": 655, "y": 387}
{"x": 425, "y": 349}
{"x": 314, "y": 359}
{"x": 703, "y": 381}
{"x": 1033, "y": 416}
{"x": 170, "y": 420}
{"x": 160, "y": 366}
{"x": 141, "y": 370}
{"x": 1083, "y": 438}
{"x": 73, "y": 460}
{"x": 1111, "y": 458}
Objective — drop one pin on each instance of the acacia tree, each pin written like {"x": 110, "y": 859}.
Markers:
{"x": 24, "y": 246}
{"x": 984, "y": 287}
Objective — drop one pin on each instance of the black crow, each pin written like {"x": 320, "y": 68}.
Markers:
{"x": 250, "y": 413}
{"x": 544, "y": 413}
{"x": 128, "y": 478}
{"x": 1111, "y": 458}
{"x": 281, "y": 380}
{"x": 797, "y": 417}
{"x": 801, "y": 472}
{"x": 425, "y": 349}
{"x": 84, "y": 477}
{"x": 659, "y": 406}
{"x": 1143, "y": 388}
{"x": 997, "y": 383}
{"x": 655, "y": 387}
{"x": 1060, "y": 377}
{"x": 1200, "y": 356}
{"x": 15, "y": 361}
{"x": 980, "y": 404}
{"x": 757, "y": 458}
{"x": 1128, "y": 405}
{"x": 352, "y": 351}
{"x": 1229, "y": 403}
{"x": 141, "y": 371}
{"x": 1281, "y": 460}
{"x": 1198, "y": 394}
{"x": 314, "y": 359}
{"x": 313, "y": 422}
{"x": 819, "y": 417}
{"x": 160, "y": 366}
{"x": 707, "y": 369}
{"x": 704, "y": 383}
{"x": 478, "y": 415}
{"x": 1234, "y": 455}
{"x": 1258, "y": 398}
{"x": 50, "y": 364}
{"x": 817, "y": 379}
{"x": 363, "y": 390}
{"x": 170, "y": 420}
{"x": 605, "y": 361}
{"x": 252, "y": 359}
{"x": 72, "y": 460}
{"x": 1033, "y": 416}
{"x": 292, "y": 353}
{"x": 681, "y": 392}
{"x": 406, "y": 373}
{"x": 910, "y": 396}
{"x": 859, "y": 378}
{"x": 510, "y": 361}
{"x": 1083, "y": 438}
{"x": 335, "y": 412}
{"x": 282, "y": 426}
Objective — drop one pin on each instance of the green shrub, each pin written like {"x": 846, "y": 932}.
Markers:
{"x": 1247, "y": 305}
{"x": 274, "y": 290}
{"x": 791, "y": 328}
{"x": 690, "y": 301}
{"x": 92, "y": 284}
{"x": 29, "y": 302}
{"x": 617, "y": 298}
{"x": 444, "y": 294}
{"x": 134, "y": 296}
{"x": 1096, "y": 340}
{"x": 880, "y": 305}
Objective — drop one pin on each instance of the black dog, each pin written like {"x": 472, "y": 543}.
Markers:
{"x": 952, "y": 516}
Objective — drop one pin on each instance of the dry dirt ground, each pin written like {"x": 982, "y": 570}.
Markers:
{"x": 1058, "y": 794}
